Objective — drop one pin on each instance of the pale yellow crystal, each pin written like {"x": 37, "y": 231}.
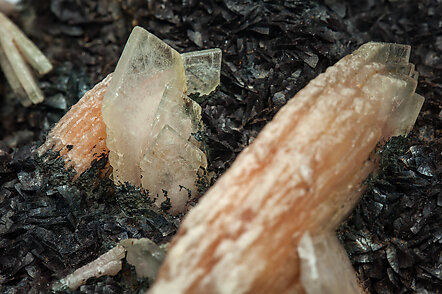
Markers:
{"x": 28, "y": 49}
{"x": 203, "y": 69}
{"x": 20, "y": 70}
{"x": 169, "y": 168}
{"x": 146, "y": 66}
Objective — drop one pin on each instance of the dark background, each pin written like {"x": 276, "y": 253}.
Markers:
{"x": 271, "y": 49}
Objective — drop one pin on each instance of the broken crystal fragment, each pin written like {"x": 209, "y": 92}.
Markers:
{"x": 144, "y": 255}
{"x": 16, "y": 71}
{"x": 203, "y": 69}
{"x": 303, "y": 173}
{"x": 318, "y": 256}
{"x": 169, "y": 168}
{"x": 107, "y": 264}
{"x": 80, "y": 135}
{"x": 146, "y": 66}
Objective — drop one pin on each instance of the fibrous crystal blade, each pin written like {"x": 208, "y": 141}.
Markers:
{"x": 303, "y": 173}
{"x": 203, "y": 69}
{"x": 146, "y": 66}
{"x": 20, "y": 69}
{"x": 80, "y": 135}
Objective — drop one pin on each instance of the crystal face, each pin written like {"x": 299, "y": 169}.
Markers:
{"x": 150, "y": 122}
{"x": 14, "y": 48}
{"x": 203, "y": 69}
{"x": 146, "y": 66}
{"x": 268, "y": 224}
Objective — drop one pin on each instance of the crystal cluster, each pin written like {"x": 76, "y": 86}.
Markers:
{"x": 268, "y": 224}
{"x": 14, "y": 47}
{"x": 151, "y": 124}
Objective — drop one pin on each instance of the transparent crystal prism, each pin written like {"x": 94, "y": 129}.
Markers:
{"x": 203, "y": 69}
{"x": 178, "y": 111}
{"x": 146, "y": 66}
{"x": 169, "y": 168}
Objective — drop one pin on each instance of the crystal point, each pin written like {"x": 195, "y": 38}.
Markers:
{"x": 203, "y": 70}
{"x": 146, "y": 66}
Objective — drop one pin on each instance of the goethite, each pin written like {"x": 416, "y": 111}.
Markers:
{"x": 14, "y": 46}
{"x": 141, "y": 115}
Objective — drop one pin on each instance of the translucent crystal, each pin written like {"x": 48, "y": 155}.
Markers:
{"x": 146, "y": 66}
{"x": 203, "y": 70}
{"x": 303, "y": 173}
{"x": 169, "y": 168}
{"x": 325, "y": 267}
{"x": 178, "y": 111}
{"x": 16, "y": 70}
{"x": 145, "y": 255}
{"x": 19, "y": 68}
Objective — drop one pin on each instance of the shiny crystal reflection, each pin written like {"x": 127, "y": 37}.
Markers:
{"x": 151, "y": 123}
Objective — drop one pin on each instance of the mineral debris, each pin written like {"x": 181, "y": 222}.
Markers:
{"x": 302, "y": 175}
{"x": 14, "y": 47}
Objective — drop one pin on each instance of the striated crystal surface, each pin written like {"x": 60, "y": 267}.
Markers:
{"x": 146, "y": 66}
{"x": 80, "y": 135}
{"x": 169, "y": 168}
{"x": 203, "y": 70}
{"x": 19, "y": 68}
{"x": 178, "y": 111}
{"x": 303, "y": 173}
{"x": 18, "y": 74}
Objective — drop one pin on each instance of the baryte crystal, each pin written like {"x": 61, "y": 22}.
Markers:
{"x": 320, "y": 254}
{"x": 107, "y": 264}
{"x": 16, "y": 71}
{"x": 146, "y": 66}
{"x": 169, "y": 168}
{"x": 80, "y": 135}
{"x": 203, "y": 69}
{"x": 303, "y": 173}
{"x": 144, "y": 255}
{"x": 179, "y": 112}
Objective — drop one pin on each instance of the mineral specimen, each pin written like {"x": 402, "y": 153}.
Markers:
{"x": 301, "y": 175}
{"x": 16, "y": 71}
{"x": 151, "y": 123}
{"x": 80, "y": 136}
{"x": 142, "y": 253}
{"x": 146, "y": 66}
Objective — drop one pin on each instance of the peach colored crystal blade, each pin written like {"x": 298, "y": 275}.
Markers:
{"x": 80, "y": 136}
{"x": 302, "y": 174}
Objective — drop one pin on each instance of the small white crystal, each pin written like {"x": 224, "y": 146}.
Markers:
{"x": 203, "y": 69}
{"x": 107, "y": 264}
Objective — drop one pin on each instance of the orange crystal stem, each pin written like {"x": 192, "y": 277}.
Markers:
{"x": 302, "y": 174}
